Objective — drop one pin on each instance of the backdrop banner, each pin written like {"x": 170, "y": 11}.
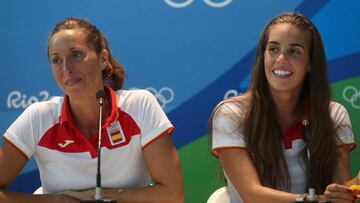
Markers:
{"x": 189, "y": 54}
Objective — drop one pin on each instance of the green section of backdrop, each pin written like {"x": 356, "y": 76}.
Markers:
{"x": 347, "y": 93}
{"x": 201, "y": 171}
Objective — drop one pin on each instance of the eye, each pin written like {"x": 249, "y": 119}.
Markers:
{"x": 77, "y": 55}
{"x": 56, "y": 60}
{"x": 273, "y": 49}
{"x": 295, "y": 51}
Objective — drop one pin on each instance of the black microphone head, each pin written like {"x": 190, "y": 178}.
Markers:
{"x": 101, "y": 94}
{"x": 305, "y": 120}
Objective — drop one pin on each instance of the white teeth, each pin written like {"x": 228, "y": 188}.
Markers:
{"x": 282, "y": 72}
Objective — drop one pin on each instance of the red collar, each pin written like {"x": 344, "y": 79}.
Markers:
{"x": 114, "y": 107}
{"x": 295, "y": 131}
{"x": 66, "y": 114}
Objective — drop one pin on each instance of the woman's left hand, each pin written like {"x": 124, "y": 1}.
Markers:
{"x": 80, "y": 195}
{"x": 89, "y": 194}
{"x": 339, "y": 193}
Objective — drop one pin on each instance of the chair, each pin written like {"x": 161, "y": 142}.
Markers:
{"x": 220, "y": 195}
{"x": 38, "y": 191}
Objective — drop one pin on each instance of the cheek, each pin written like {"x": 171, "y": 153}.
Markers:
{"x": 267, "y": 59}
{"x": 302, "y": 65}
{"x": 53, "y": 70}
{"x": 267, "y": 64}
{"x": 267, "y": 71}
{"x": 56, "y": 74}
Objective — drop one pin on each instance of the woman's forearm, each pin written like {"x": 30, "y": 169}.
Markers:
{"x": 14, "y": 197}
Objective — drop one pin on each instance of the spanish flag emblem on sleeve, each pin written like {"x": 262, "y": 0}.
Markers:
{"x": 115, "y": 133}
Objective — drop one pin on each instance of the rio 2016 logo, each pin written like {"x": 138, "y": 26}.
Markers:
{"x": 18, "y": 100}
{"x": 186, "y": 3}
{"x": 352, "y": 95}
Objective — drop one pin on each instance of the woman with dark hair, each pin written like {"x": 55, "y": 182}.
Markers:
{"x": 258, "y": 136}
{"x": 62, "y": 133}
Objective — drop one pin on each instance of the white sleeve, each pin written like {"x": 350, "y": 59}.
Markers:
{"x": 226, "y": 128}
{"x": 153, "y": 120}
{"x": 342, "y": 123}
{"x": 22, "y": 132}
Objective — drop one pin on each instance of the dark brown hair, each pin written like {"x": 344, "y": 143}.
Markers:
{"x": 264, "y": 139}
{"x": 114, "y": 73}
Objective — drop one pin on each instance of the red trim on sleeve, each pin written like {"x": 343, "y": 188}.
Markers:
{"x": 349, "y": 146}
{"x": 167, "y": 131}
{"x": 342, "y": 126}
{"x": 229, "y": 147}
{"x": 17, "y": 148}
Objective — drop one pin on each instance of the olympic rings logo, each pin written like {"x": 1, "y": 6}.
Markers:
{"x": 231, "y": 93}
{"x": 186, "y": 3}
{"x": 352, "y": 95}
{"x": 164, "y": 96}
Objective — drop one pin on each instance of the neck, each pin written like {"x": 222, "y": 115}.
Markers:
{"x": 287, "y": 105}
{"x": 86, "y": 114}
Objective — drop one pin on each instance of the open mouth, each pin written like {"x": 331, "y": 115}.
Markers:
{"x": 282, "y": 73}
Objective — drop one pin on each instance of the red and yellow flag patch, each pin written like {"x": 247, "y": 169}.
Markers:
{"x": 115, "y": 133}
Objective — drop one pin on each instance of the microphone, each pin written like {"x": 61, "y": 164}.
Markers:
{"x": 306, "y": 126}
{"x": 100, "y": 96}
{"x": 311, "y": 197}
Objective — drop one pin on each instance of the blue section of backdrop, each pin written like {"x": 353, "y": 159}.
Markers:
{"x": 189, "y": 54}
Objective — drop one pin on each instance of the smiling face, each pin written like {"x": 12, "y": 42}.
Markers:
{"x": 286, "y": 58}
{"x": 75, "y": 65}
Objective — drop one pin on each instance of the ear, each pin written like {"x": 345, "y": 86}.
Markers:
{"x": 104, "y": 57}
{"x": 309, "y": 68}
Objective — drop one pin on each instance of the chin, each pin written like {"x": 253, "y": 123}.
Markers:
{"x": 73, "y": 90}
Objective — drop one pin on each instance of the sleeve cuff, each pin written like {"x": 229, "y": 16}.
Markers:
{"x": 164, "y": 130}
{"x": 215, "y": 149}
{"x": 16, "y": 147}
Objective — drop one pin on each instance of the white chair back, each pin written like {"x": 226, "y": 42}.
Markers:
{"x": 220, "y": 195}
{"x": 38, "y": 191}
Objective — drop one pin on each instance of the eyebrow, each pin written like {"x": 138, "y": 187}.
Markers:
{"x": 74, "y": 48}
{"x": 53, "y": 54}
{"x": 293, "y": 44}
{"x": 71, "y": 49}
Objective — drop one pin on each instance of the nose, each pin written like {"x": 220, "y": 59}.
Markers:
{"x": 281, "y": 58}
{"x": 67, "y": 66}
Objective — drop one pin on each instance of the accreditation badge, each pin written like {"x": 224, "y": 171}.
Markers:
{"x": 115, "y": 133}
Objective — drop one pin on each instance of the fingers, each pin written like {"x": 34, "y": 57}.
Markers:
{"x": 77, "y": 195}
{"x": 90, "y": 193}
{"x": 356, "y": 190}
{"x": 68, "y": 199}
{"x": 339, "y": 193}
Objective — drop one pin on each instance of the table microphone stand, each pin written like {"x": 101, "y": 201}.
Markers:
{"x": 100, "y": 96}
{"x": 311, "y": 197}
